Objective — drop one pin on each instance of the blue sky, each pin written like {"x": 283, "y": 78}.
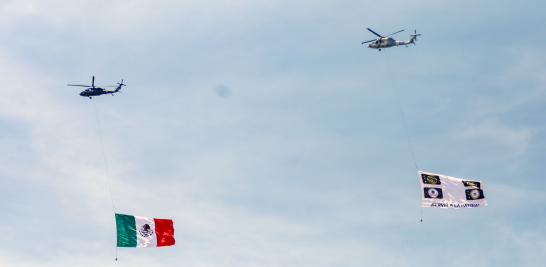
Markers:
{"x": 304, "y": 163}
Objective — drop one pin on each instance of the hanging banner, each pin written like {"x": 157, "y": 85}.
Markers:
{"x": 140, "y": 232}
{"x": 441, "y": 191}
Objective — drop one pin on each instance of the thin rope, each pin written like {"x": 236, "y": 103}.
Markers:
{"x": 106, "y": 166}
{"x": 403, "y": 119}
{"x": 401, "y": 113}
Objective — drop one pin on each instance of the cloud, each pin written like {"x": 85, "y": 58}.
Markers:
{"x": 516, "y": 140}
{"x": 307, "y": 164}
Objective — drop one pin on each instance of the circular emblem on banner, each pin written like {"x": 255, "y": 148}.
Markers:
{"x": 475, "y": 194}
{"x": 145, "y": 231}
{"x": 432, "y": 179}
{"x": 433, "y": 193}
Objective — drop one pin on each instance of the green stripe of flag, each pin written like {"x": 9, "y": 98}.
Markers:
{"x": 126, "y": 227}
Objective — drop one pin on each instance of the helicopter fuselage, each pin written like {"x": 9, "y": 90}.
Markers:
{"x": 386, "y": 42}
{"x": 96, "y": 91}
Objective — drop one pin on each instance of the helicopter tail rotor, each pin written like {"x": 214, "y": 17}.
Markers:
{"x": 414, "y": 37}
{"x": 120, "y": 85}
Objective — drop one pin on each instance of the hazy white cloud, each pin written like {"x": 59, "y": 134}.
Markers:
{"x": 515, "y": 139}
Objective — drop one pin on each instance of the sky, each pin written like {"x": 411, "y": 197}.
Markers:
{"x": 269, "y": 133}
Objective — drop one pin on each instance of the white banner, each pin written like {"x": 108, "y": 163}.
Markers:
{"x": 441, "y": 191}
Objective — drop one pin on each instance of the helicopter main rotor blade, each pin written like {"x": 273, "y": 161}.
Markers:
{"x": 394, "y": 33}
{"x": 369, "y": 41}
{"x": 374, "y": 32}
{"x": 78, "y": 85}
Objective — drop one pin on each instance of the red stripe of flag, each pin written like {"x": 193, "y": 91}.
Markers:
{"x": 164, "y": 231}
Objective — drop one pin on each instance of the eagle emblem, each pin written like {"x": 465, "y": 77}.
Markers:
{"x": 145, "y": 231}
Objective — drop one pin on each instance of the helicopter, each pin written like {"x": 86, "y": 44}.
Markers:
{"x": 96, "y": 91}
{"x": 384, "y": 42}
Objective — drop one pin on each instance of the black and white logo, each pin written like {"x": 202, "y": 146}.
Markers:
{"x": 474, "y": 194}
{"x": 431, "y": 192}
{"x": 145, "y": 231}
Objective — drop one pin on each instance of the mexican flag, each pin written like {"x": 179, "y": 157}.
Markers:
{"x": 134, "y": 231}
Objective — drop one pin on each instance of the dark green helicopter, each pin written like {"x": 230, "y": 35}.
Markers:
{"x": 386, "y": 41}
{"x": 96, "y": 91}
